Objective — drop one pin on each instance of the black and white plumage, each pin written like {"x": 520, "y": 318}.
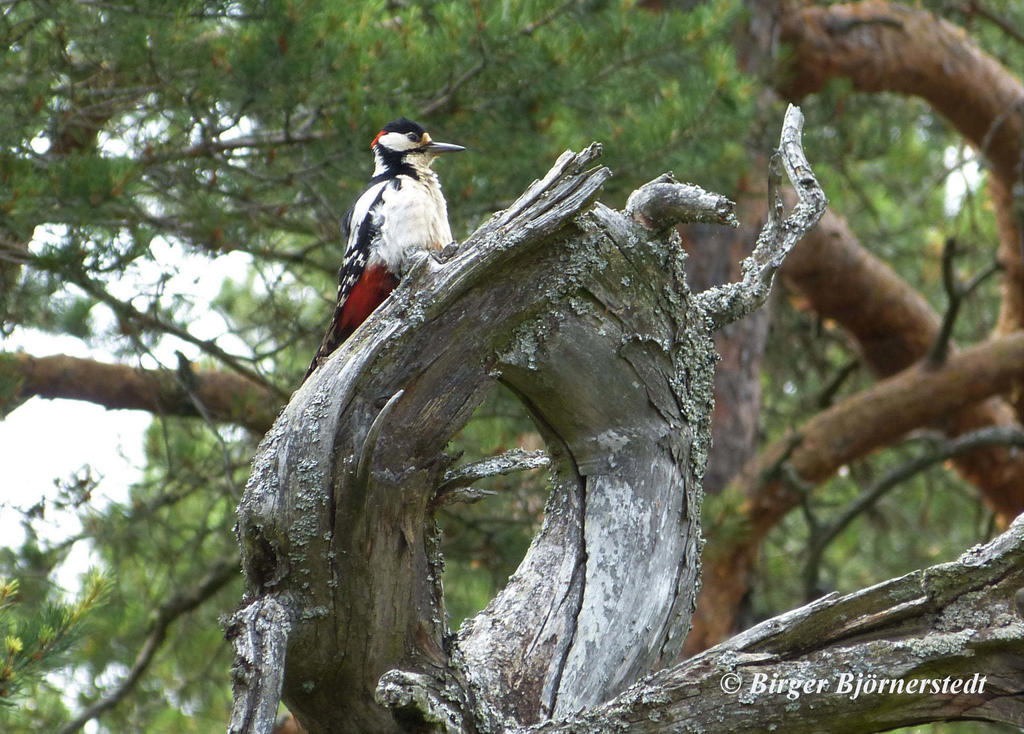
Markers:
{"x": 401, "y": 212}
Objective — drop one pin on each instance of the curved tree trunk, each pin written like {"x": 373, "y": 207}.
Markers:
{"x": 883, "y": 46}
{"x": 585, "y": 314}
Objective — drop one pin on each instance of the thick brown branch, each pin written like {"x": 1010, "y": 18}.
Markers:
{"x": 849, "y": 430}
{"x": 894, "y": 327}
{"x": 218, "y": 396}
{"x": 1009, "y": 214}
{"x": 881, "y": 46}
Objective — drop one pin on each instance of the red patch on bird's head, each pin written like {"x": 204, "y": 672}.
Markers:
{"x": 382, "y": 132}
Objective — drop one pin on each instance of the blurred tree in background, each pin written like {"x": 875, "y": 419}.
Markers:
{"x": 154, "y": 151}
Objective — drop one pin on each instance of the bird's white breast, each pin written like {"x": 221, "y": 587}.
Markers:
{"x": 412, "y": 216}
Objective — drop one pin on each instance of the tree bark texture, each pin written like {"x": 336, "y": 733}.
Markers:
{"x": 882, "y": 46}
{"x": 713, "y": 259}
{"x": 1008, "y": 203}
{"x": 962, "y": 620}
{"x": 585, "y": 314}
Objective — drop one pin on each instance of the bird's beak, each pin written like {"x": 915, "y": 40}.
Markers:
{"x": 438, "y": 148}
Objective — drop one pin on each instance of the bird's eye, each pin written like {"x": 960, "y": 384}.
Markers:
{"x": 413, "y": 137}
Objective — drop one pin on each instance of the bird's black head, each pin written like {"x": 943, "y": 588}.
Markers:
{"x": 400, "y": 136}
{"x": 403, "y": 125}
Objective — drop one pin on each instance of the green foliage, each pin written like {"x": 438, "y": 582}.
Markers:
{"x": 145, "y": 141}
{"x": 36, "y": 638}
{"x": 484, "y": 542}
{"x": 149, "y": 111}
{"x": 176, "y": 525}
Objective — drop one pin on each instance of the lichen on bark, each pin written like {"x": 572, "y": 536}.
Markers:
{"x": 584, "y": 313}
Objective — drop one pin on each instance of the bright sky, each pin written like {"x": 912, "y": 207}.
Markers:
{"x": 44, "y": 441}
{"x": 966, "y": 177}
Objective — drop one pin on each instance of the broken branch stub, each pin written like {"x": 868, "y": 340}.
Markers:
{"x": 727, "y": 303}
{"x": 584, "y": 313}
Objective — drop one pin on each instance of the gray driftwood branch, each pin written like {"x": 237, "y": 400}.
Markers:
{"x": 955, "y": 630}
{"x": 584, "y": 313}
{"x": 457, "y": 484}
{"x": 259, "y": 633}
{"x": 727, "y": 303}
{"x": 664, "y": 202}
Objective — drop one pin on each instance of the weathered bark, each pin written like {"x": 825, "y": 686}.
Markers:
{"x": 586, "y": 316}
{"x": 955, "y": 621}
{"x": 216, "y": 396}
{"x": 257, "y": 633}
{"x": 714, "y": 258}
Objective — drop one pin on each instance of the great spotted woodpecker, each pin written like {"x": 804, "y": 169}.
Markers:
{"x": 402, "y": 211}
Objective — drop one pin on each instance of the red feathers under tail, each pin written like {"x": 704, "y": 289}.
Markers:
{"x": 354, "y": 308}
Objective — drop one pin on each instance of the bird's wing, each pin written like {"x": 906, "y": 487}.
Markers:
{"x": 359, "y": 230}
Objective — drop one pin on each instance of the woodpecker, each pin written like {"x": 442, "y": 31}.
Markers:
{"x": 401, "y": 212}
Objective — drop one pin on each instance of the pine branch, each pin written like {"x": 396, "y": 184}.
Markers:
{"x": 956, "y": 292}
{"x": 131, "y": 315}
{"x": 984, "y": 437}
{"x": 214, "y": 580}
